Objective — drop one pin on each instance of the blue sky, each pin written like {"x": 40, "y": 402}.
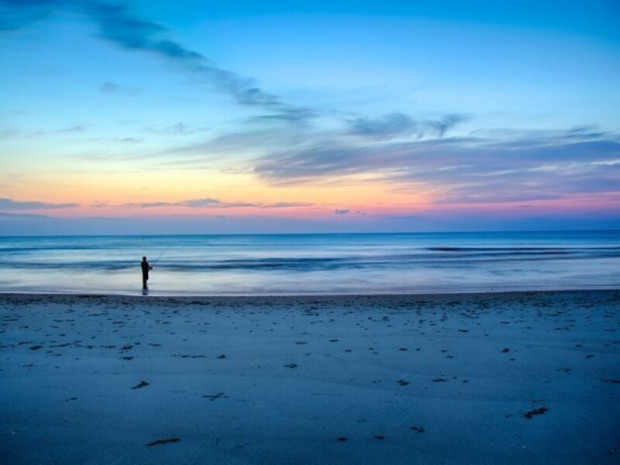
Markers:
{"x": 200, "y": 116}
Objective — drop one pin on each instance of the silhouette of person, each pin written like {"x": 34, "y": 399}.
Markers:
{"x": 145, "y": 272}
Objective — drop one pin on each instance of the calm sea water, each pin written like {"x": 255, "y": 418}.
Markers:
{"x": 312, "y": 264}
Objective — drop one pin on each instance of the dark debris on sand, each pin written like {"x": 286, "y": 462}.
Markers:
{"x": 219, "y": 395}
{"x": 532, "y": 413}
{"x": 163, "y": 441}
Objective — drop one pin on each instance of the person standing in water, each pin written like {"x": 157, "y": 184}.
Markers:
{"x": 145, "y": 272}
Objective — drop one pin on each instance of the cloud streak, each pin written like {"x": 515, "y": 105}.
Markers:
{"x": 7, "y": 204}
{"x": 537, "y": 166}
{"x": 495, "y": 166}
{"x": 215, "y": 203}
{"x": 118, "y": 24}
{"x": 399, "y": 124}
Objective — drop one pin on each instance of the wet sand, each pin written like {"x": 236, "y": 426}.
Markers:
{"x": 421, "y": 379}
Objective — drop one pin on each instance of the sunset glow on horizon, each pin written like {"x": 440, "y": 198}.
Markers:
{"x": 201, "y": 117}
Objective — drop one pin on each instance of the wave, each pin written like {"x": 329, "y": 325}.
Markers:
{"x": 313, "y": 263}
{"x": 431, "y": 256}
{"x": 529, "y": 252}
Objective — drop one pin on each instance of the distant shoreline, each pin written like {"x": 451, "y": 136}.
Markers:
{"x": 301, "y": 297}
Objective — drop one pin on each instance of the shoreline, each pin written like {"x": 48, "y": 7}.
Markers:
{"x": 517, "y": 377}
{"x": 154, "y": 295}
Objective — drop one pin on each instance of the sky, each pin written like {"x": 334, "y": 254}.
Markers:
{"x": 200, "y": 116}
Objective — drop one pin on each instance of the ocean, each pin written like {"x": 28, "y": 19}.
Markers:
{"x": 312, "y": 263}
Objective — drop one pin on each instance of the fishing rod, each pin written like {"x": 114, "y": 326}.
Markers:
{"x": 160, "y": 255}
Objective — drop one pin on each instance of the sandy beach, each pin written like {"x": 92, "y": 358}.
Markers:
{"x": 419, "y": 379}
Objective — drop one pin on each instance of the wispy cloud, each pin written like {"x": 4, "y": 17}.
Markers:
{"x": 482, "y": 166}
{"x": 72, "y": 129}
{"x": 215, "y": 203}
{"x": 109, "y": 87}
{"x": 539, "y": 165}
{"x": 399, "y": 124}
{"x": 178, "y": 129}
{"x": 16, "y": 14}
{"x": 308, "y": 152}
{"x": 17, "y": 205}
{"x": 119, "y": 24}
